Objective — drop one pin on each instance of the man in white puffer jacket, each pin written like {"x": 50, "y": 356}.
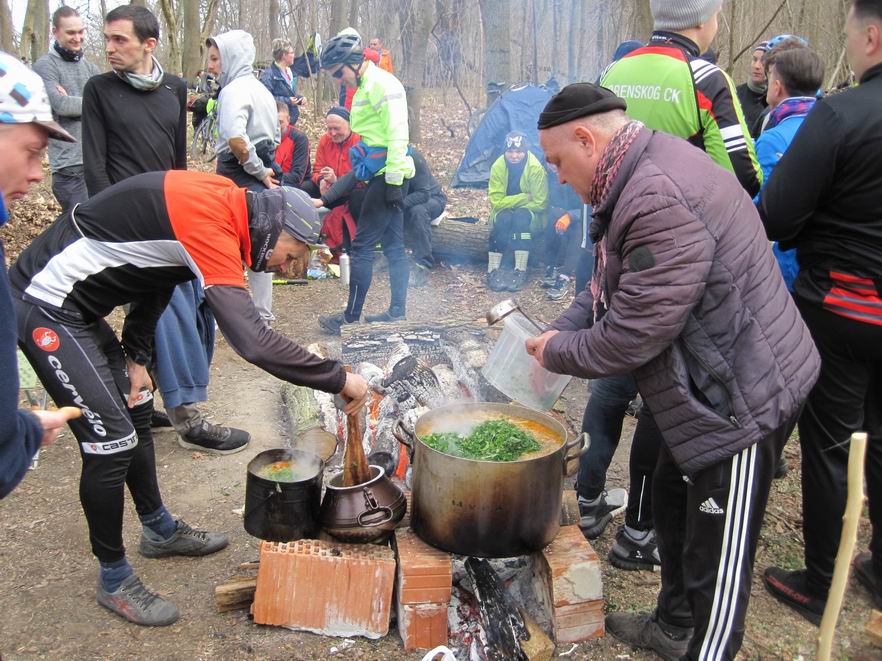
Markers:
{"x": 247, "y": 132}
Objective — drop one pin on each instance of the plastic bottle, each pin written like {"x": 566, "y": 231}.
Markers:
{"x": 344, "y": 269}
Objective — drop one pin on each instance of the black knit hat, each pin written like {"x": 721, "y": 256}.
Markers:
{"x": 578, "y": 100}
{"x": 340, "y": 111}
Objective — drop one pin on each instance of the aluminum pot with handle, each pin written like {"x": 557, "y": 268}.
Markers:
{"x": 486, "y": 508}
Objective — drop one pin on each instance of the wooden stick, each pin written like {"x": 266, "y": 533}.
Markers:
{"x": 355, "y": 465}
{"x": 853, "y": 507}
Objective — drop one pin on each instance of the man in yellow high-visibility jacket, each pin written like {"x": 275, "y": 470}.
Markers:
{"x": 379, "y": 116}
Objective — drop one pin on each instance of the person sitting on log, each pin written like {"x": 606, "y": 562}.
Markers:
{"x": 518, "y": 191}
{"x": 292, "y": 154}
{"x": 424, "y": 203}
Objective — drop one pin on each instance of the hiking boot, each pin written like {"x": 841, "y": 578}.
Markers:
{"x": 214, "y": 438}
{"x": 332, "y": 323}
{"x": 647, "y": 631}
{"x": 185, "y": 541}
{"x": 633, "y": 553}
{"x": 559, "y": 290}
{"x": 791, "y": 589}
{"x": 863, "y": 571}
{"x": 383, "y": 317}
{"x": 159, "y": 420}
{"x": 595, "y": 515}
{"x": 137, "y": 604}
{"x": 419, "y": 275}
{"x": 549, "y": 279}
{"x": 517, "y": 281}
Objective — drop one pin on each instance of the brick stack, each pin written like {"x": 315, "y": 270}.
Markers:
{"x": 423, "y": 589}
{"x": 326, "y": 588}
{"x": 568, "y": 582}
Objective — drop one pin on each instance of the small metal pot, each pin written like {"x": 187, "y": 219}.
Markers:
{"x": 485, "y": 508}
{"x": 364, "y": 513}
{"x": 283, "y": 511}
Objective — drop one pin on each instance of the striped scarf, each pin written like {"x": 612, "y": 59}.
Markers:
{"x": 795, "y": 105}
{"x": 604, "y": 175}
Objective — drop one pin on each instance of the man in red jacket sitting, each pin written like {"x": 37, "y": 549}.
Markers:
{"x": 332, "y": 162}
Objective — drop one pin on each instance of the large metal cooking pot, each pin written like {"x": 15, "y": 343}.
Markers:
{"x": 485, "y": 508}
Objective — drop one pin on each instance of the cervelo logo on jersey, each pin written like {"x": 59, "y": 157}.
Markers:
{"x": 649, "y": 92}
{"x": 63, "y": 377}
{"x": 46, "y": 339}
{"x": 111, "y": 447}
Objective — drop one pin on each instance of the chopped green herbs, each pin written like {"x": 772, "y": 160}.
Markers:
{"x": 493, "y": 440}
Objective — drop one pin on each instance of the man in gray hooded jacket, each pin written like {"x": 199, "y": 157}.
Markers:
{"x": 247, "y": 133}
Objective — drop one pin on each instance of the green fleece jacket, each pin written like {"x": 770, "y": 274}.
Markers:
{"x": 533, "y": 195}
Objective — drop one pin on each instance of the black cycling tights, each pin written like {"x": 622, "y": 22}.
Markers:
{"x": 83, "y": 365}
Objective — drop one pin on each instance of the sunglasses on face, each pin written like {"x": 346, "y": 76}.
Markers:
{"x": 338, "y": 73}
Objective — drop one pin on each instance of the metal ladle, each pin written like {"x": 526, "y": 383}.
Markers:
{"x": 504, "y": 308}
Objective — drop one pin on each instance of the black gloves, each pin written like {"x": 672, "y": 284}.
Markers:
{"x": 394, "y": 195}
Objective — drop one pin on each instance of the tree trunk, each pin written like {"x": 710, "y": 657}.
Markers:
{"x": 338, "y": 9}
{"x": 461, "y": 241}
{"x": 275, "y": 19}
{"x": 173, "y": 56}
{"x": 191, "y": 57}
{"x": 6, "y": 31}
{"x": 140, "y": 3}
{"x": 416, "y": 27}
{"x": 497, "y": 40}
{"x": 35, "y": 30}
{"x": 643, "y": 20}
{"x": 353, "y": 14}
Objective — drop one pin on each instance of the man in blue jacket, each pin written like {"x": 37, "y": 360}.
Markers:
{"x": 795, "y": 72}
{"x": 25, "y": 127}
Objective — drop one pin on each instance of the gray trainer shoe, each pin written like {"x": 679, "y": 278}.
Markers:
{"x": 646, "y": 631}
{"x": 185, "y": 541}
{"x": 596, "y": 514}
{"x": 635, "y": 553}
{"x": 137, "y": 604}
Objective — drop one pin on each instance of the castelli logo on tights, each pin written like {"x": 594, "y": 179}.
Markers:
{"x": 46, "y": 339}
{"x": 93, "y": 418}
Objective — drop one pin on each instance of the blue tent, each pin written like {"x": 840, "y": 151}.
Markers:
{"x": 517, "y": 109}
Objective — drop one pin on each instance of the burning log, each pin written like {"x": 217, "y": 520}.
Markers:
{"x": 501, "y": 620}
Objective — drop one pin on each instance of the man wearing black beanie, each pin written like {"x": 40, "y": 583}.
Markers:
{"x": 696, "y": 308}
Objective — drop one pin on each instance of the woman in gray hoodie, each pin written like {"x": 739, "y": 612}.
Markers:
{"x": 247, "y": 134}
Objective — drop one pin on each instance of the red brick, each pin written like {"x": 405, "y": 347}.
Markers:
{"x": 568, "y": 582}
{"x": 425, "y": 574}
{"x": 422, "y": 626}
{"x": 333, "y": 589}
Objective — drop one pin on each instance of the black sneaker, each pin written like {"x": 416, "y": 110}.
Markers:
{"x": 646, "y": 631}
{"x": 790, "y": 588}
{"x": 549, "y": 278}
{"x": 215, "y": 439}
{"x": 863, "y": 572}
{"x": 185, "y": 541}
{"x": 559, "y": 290}
{"x": 159, "y": 420}
{"x": 595, "y": 515}
{"x": 137, "y": 604}
{"x": 517, "y": 280}
{"x": 496, "y": 280}
{"x": 635, "y": 554}
{"x": 383, "y": 317}
{"x": 332, "y": 323}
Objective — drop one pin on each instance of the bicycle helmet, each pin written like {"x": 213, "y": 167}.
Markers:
{"x": 342, "y": 49}
{"x": 774, "y": 41}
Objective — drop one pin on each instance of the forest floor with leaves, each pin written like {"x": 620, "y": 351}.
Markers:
{"x": 48, "y": 574}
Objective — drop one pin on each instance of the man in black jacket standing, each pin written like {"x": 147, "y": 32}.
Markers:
{"x": 135, "y": 121}
{"x": 824, "y": 199}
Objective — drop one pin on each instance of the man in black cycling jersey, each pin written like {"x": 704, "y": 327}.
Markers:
{"x": 133, "y": 243}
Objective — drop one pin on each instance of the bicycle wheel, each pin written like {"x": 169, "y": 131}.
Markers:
{"x": 202, "y": 147}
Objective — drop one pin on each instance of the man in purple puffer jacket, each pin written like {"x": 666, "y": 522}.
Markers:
{"x": 698, "y": 311}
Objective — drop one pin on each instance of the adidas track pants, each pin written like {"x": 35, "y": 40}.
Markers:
{"x": 707, "y": 531}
